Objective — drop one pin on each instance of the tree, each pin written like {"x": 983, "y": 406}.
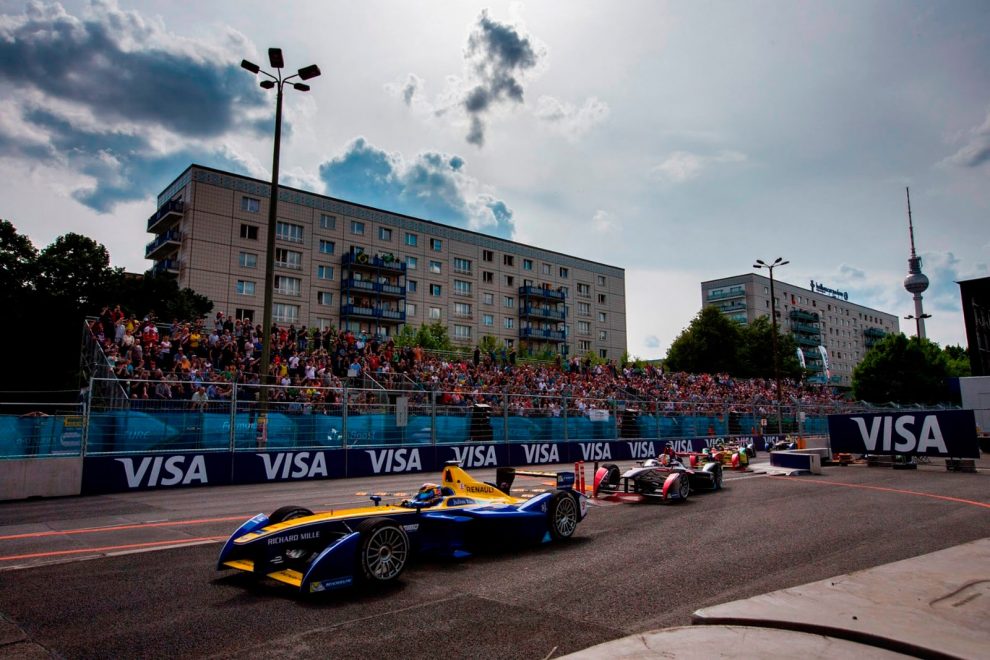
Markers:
{"x": 159, "y": 294}
{"x": 434, "y": 337}
{"x": 75, "y": 269}
{"x": 756, "y": 352}
{"x": 17, "y": 261}
{"x": 709, "y": 345}
{"x": 902, "y": 370}
{"x": 958, "y": 362}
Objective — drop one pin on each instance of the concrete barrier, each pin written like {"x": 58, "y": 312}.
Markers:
{"x": 40, "y": 477}
{"x": 797, "y": 460}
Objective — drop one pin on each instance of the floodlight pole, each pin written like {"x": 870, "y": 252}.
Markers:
{"x": 779, "y": 261}
{"x": 276, "y": 81}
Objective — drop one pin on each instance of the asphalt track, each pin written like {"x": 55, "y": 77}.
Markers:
{"x": 86, "y": 578}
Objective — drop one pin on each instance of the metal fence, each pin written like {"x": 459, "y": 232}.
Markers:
{"x": 115, "y": 421}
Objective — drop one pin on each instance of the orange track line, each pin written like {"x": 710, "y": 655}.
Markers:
{"x": 108, "y": 548}
{"x": 117, "y": 528}
{"x": 900, "y": 491}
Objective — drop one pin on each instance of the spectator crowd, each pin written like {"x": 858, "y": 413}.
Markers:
{"x": 201, "y": 362}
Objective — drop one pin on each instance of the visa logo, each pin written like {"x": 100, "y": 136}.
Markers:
{"x": 596, "y": 451}
{"x": 883, "y": 427}
{"x": 475, "y": 456}
{"x": 155, "y": 471}
{"x": 641, "y": 449}
{"x": 394, "y": 460}
{"x": 294, "y": 465}
{"x": 541, "y": 453}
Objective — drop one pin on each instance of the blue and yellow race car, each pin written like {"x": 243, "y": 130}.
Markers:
{"x": 325, "y": 551}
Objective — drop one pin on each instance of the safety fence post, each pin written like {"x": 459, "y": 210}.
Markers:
{"x": 505, "y": 415}
{"x": 433, "y": 417}
{"x": 87, "y": 418}
{"x": 233, "y": 416}
{"x": 563, "y": 401}
{"x": 343, "y": 416}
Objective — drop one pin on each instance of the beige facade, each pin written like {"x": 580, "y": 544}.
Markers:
{"x": 816, "y": 318}
{"x": 210, "y": 231}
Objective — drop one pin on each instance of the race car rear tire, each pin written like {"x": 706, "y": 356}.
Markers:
{"x": 383, "y": 551}
{"x": 563, "y": 515}
{"x": 288, "y": 513}
{"x": 612, "y": 477}
{"x": 717, "y": 477}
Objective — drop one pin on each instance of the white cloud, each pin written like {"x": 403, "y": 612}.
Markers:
{"x": 570, "y": 120}
{"x": 976, "y": 150}
{"x": 683, "y": 166}
{"x": 603, "y": 222}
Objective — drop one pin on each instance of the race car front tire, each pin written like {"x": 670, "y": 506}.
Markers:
{"x": 383, "y": 551}
{"x": 292, "y": 512}
{"x": 562, "y": 515}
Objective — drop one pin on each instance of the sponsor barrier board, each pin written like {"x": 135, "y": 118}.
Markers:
{"x": 945, "y": 433}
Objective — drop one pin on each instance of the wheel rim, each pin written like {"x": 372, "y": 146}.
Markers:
{"x": 565, "y": 517}
{"x": 385, "y": 554}
{"x": 683, "y": 487}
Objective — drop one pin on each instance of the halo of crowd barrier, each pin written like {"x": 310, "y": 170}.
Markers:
{"x": 125, "y": 444}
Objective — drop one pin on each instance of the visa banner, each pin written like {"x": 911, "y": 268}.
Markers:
{"x": 946, "y": 433}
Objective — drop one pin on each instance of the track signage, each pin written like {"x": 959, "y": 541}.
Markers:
{"x": 946, "y": 433}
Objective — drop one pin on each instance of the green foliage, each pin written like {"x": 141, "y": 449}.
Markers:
{"x": 434, "y": 337}
{"x": 709, "y": 345}
{"x": 957, "y": 359}
{"x": 406, "y": 336}
{"x": 755, "y": 356}
{"x": 161, "y": 295}
{"x": 75, "y": 269}
{"x": 902, "y": 370}
{"x": 488, "y": 344}
{"x": 17, "y": 261}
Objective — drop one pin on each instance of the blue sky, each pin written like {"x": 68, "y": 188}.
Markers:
{"x": 677, "y": 140}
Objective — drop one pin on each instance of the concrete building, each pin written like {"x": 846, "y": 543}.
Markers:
{"x": 832, "y": 333}
{"x": 976, "y": 315}
{"x": 351, "y": 266}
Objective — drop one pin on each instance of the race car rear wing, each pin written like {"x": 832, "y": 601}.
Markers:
{"x": 504, "y": 476}
{"x": 460, "y": 482}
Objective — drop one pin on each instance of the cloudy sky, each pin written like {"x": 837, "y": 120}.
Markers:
{"x": 678, "y": 140}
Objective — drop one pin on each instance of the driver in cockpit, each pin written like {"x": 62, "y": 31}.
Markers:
{"x": 429, "y": 494}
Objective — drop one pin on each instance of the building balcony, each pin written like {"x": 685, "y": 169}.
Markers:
{"x": 816, "y": 367}
{"x": 374, "y": 312}
{"x": 378, "y": 288}
{"x": 163, "y": 244}
{"x": 801, "y": 315}
{"x": 541, "y": 292}
{"x": 385, "y": 261}
{"x": 542, "y": 313}
{"x": 542, "y": 335}
{"x": 804, "y": 340}
{"x": 732, "y": 307}
{"x": 806, "y": 328}
{"x": 724, "y": 295}
{"x": 169, "y": 212}
{"x": 166, "y": 266}
{"x": 875, "y": 333}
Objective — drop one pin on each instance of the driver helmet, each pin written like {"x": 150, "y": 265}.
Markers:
{"x": 429, "y": 492}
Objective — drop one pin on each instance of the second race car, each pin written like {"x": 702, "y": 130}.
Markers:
{"x": 664, "y": 478}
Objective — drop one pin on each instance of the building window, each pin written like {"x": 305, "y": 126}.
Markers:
{"x": 461, "y": 287}
{"x": 288, "y": 259}
{"x": 603, "y": 354}
{"x": 384, "y": 234}
{"x": 289, "y": 286}
{"x": 247, "y": 260}
{"x": 462, "y": 331}
{"x": 527, "y": 264}
{"x": 249, "y": 232}
{"x": 584, "y": 345}
{"x": 584, "y": 308}
{"x": 324, "y": 324}
{"x": 357, "y": 228}
{"x": 601, "y": 298}
{"x": 488, "y": 319}
{"x": 509, "y": 280}
{"x": 411, "y": 239}
{"x": 436, "y": 244}
{"x": 563, "y": 273}
{"x": 324, "y": 298}
{"x": 285, "y": 231}
{"x": 509, "y": 301}
{"x": 435, "y": 266}
{"x": 411, "y": 263}
{"x": 462, "y": 265}
{"x": 328, "y": 221}
{"x": 324, "y": 272}
{"x": 411, "y": 286}
{"x": 601, "y": 280}
{"x": 243, "y": 314}
{"x": 584, "y": 289}
{"x": 488, "y": 298}
{"x": 487, "y": 277}
{"x": 250, "y": 204}
{"x": 436, "y": 290}
{"x": 508, "y": 260}
{"x": 602, "y": 335}
{"x": 487, "y": 255}
{"x": 602, "y": 317}
{"x": 462, "y": 310}
{"x": 546, "y": 269}
{"x": 282, "y": 313}
{"x": 245, "y": 288}
{"x": 434, "y": 313}
{"x": 584, "y": 327}
{"x": 509, "y": 323}
{"x": 410, "y": 310}
{"x": 327, "y": 247}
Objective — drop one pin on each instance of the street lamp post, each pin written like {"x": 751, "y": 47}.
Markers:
{"x": 779, "y": 261}
{"x": 274, "y": 81}
{"x": 917, "y": 322}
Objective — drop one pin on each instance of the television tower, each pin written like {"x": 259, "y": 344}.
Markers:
{"x": 916, "y": 282}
